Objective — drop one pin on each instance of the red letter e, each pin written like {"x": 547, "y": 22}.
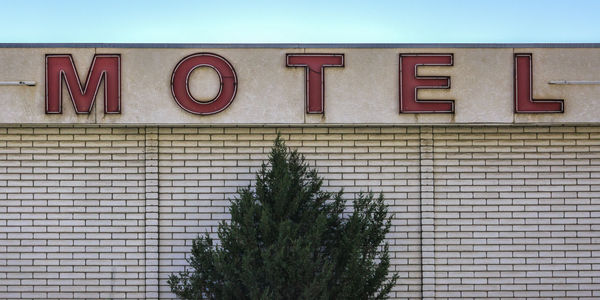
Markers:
{"x": 411, "y": 82}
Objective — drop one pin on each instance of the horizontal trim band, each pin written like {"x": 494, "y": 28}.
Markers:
{"x": 300, "y": 45}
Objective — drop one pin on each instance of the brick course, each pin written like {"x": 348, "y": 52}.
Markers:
{"x": 478, "y": 211}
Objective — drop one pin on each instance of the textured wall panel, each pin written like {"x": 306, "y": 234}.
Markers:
{"x": 200, "y": 168}
{"x": 517, "y": 212}
{"x": 478, "y": 212}
{"x": 71, "y": 213}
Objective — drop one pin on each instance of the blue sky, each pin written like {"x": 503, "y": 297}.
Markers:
{"x": 174, "y": 21}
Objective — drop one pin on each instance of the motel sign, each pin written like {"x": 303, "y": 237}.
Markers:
{"x": 60, "y": 68}
{"x": 291, "y": 84}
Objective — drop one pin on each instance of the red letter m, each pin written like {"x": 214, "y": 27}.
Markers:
{"x": 62, "y": 66}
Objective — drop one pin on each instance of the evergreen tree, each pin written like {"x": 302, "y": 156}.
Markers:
{"x": 288, "y": 239}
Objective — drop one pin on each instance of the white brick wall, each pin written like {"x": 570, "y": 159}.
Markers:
{"x": 517, "y": 212}
{"x": 107, "y": 212}
{"x": 201, "y": 168}
{"x": 71, "y": 213}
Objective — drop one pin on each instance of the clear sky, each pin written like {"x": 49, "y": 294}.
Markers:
{"x": 300, "y": 21}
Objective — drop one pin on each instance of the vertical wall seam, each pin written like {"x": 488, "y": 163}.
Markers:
{"x": 427, "y": 212}
{"x": 151, "y": 212}
{"x": 420, "y": 213}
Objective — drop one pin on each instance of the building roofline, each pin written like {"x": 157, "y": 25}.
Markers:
{"x": 300, "y": 45}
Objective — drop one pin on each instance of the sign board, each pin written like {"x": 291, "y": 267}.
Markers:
{"x": 296, "y": 84}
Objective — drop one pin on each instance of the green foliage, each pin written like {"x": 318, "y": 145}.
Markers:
{"x": 288, "y": 239}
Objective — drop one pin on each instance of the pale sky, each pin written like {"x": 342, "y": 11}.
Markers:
{"x": 349, "y": 21}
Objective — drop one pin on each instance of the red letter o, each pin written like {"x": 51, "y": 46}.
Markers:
{"x": 181, "y": 90}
